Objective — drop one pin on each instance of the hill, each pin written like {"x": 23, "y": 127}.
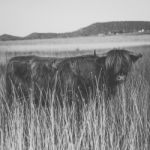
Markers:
{"x": 7, "y": 37}
{"x": 41, "y": 36}
{"x": 107, "y": 28}
{"x": 114, "y": 27}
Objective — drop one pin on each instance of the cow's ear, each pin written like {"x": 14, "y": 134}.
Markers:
{"x": 135, "y": 57}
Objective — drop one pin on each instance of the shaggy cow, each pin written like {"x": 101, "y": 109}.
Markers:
{"x": 81, "y": 76}
{"x": 72, "y": 76}
{"x": 18, "y": 76}
{"x": 29, "y": 75}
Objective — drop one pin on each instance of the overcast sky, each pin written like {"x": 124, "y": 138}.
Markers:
{"x": 22, "y": 17}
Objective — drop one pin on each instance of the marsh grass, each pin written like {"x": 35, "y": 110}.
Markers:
{"x": 119, "y": 123}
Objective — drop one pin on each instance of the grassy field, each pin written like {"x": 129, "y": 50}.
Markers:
{"x": 122, "y": 123}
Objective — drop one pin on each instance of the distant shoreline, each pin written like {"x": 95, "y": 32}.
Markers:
{"x": 80, "y": 43}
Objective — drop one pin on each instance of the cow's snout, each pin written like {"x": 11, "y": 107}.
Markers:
{"x": 121, "y": 78}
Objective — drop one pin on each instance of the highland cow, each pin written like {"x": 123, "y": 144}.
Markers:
{"x": 18, "y": 77}
{"x": 81, "y": 76}
{"x": 28, "y": 76}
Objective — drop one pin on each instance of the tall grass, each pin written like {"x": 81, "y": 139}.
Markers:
{"x": 119, "y": 123}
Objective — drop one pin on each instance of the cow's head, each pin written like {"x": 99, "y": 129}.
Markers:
{"x": 118, "y": 64}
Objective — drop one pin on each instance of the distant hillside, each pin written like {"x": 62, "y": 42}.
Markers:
{"x": 107, "y": 28}
{"x": 114, "y": 27}
{"x": 41, "y": 36}
{"x": 7, "y": 37}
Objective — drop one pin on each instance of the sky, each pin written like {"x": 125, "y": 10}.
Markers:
{"x": 22, "y": 17}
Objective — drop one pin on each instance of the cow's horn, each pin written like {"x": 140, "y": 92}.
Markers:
{"x": 94, "y": 52}
{"x": 136, "y": 54}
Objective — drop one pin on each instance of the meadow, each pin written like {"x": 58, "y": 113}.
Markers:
{"x": 122, "y": 123}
